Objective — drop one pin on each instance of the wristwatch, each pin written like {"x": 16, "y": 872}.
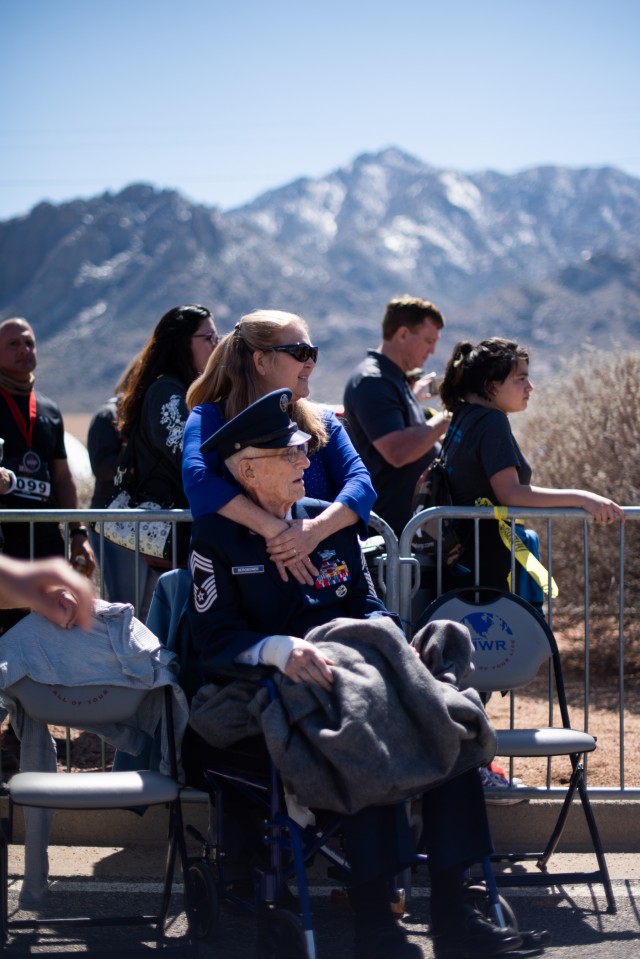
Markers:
{"x": 82, "y": 530}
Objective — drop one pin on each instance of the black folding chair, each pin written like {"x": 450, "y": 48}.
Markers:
{"x": 511, "y": 641}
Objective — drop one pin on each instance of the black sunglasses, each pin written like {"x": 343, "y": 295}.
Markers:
{"x": 299, "y": 351}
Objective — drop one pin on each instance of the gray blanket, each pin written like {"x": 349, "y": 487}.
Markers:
{"x": 387, "y": 730}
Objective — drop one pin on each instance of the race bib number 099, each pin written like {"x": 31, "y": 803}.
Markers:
{"x": 32, "y": 488}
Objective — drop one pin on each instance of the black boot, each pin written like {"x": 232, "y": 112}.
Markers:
{"x": 378, "y": 934}
{"x": 384, "y": 940}
{"x": 467, "y": 934}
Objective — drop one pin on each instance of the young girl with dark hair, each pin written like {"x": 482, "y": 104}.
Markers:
{"x": 482, "y": 386}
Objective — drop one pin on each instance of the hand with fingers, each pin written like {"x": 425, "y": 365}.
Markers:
{"x": 307, "y": 665}
{"x": 290, "y": 551}
{"x": 604, "y": 510}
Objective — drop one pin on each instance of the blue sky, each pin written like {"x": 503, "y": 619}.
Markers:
{"x": 224, "y": 99}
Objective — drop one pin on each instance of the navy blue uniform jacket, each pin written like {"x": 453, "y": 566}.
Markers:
{"x": 238, "y": 597}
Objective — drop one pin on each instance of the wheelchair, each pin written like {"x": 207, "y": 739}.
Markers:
{"x": 285, "y": 848}
{"x": 284, "y": 922}
{"x": 284, "y": 926}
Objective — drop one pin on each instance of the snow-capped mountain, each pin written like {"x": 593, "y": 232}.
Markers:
{"x": 548, "y": 255}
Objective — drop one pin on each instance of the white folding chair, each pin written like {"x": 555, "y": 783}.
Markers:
{"x": 511, "y": 641}
{"x": 81, "y": 707}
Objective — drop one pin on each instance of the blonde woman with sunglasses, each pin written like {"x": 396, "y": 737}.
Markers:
{"x": 269, "y": 350}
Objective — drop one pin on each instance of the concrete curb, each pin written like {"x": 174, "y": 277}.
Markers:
{"x": 99, "y": 827}
{"x": 530, "y": 824}
{"x": 517, "y": 827}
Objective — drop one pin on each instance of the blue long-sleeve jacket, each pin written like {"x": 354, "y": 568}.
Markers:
{"x": 336, "y": 473}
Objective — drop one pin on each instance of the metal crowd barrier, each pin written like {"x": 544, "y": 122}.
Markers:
{"x": 398, "y": 579}
{"x": 89, "y": 516}
{"x": 407, "y": 572}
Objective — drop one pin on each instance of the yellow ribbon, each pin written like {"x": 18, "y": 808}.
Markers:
{"x": 524, "y": 556}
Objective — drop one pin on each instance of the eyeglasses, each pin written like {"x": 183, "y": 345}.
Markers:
{"x": 213, "y": 338}
{"x": 299, "y": 351}
{"x": 291, "y": 454}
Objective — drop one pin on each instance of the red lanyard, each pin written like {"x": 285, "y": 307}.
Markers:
{"x": 26, "y": 429}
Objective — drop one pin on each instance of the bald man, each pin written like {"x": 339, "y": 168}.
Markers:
{"x": 35, "y": 472}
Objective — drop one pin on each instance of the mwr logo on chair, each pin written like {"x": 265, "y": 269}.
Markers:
{"x": 493, "y": 640}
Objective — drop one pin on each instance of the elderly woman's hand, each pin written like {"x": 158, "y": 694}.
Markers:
{"x": 290, "y": 551}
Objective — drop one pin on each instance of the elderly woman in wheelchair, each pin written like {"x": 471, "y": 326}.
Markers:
{"x": 359, "y": 724}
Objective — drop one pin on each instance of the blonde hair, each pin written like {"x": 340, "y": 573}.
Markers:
{"x": 230, "y": 377}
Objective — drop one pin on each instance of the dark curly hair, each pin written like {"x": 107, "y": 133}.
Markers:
{"x": 471, "y": 368}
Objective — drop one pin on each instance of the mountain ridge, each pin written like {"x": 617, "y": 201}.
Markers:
{"x": 548, "y": 255}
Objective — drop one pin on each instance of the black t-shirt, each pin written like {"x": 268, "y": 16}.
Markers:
{"x": 157, "y": 443}
{"x": 104, "y": 445}
{"x": 480, "y": 444}
{"x": 156, "y": 453}
{"x": 33, "y": 466}
{"x": 379, "y": 400}
{"x": 34, "y": 463}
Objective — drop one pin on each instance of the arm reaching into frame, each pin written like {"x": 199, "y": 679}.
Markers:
{"x": 49, "y": 587}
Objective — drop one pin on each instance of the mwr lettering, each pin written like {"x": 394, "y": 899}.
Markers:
{"x": 486, "y": 644}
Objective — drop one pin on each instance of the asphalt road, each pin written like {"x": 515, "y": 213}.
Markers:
{"x": 575, "y": 916}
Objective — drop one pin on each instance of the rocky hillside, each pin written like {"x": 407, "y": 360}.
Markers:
{"x": 548, "y": 255}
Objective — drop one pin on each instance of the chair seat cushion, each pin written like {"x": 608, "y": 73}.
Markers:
{"x": 101, "y": 790}
{"x": 543, "y": 742}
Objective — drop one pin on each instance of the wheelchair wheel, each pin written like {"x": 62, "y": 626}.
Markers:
{"x": 281, "y": 936}
{"x": 478, "y": 894}
{"x": 204, "y": 899}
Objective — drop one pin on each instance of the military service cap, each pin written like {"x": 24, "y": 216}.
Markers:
{"x": 265, "y": 424}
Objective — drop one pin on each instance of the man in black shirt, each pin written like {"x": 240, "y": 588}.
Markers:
{"x": 385, "y": 420}
{"x": 36, "y": 474}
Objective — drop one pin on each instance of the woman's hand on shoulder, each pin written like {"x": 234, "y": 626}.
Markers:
{"x": 291, "y": 548}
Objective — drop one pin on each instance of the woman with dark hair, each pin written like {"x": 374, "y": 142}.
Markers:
{"x": 269, "y": 350}
{"x": 120, "y": 566}
{"x": 152, "y": 411}
{"x": 482, "y": 385}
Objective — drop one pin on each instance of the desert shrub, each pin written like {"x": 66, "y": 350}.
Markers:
{"x": 581, "y": 431}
